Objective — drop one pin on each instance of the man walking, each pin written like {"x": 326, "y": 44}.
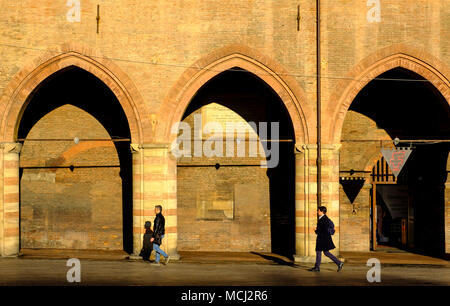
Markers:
{"x": 324, "y": 230}
{"x": 158, "y": 235}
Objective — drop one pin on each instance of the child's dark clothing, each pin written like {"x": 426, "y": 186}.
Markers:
{"x": 148, "y": 245}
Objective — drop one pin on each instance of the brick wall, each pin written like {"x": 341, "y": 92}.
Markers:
{"x": 61, "y": 208}
{"x": 360, "y": 157}
{"x": 247, "y": 190}
{"x": 355, "y": 221}
{"x": 151, "y": 55}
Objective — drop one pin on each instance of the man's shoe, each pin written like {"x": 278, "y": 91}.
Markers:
{"x": 155, "y": 264}
{"x": 315, "y": 269}
{"x": 167, "y": 260}
{"x": 340, "y": 266}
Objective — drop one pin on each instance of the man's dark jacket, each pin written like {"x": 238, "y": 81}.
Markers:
{"x": 158, "y": 228}
{"x": 324, "y": 241}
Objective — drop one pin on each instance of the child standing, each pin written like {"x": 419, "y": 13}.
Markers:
{"x": 147, "y": 243}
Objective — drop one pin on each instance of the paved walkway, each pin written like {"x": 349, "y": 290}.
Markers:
{"x": 386, "y": 256}
{"x": 393, "y": 257}
{"x": 31, "y": 271}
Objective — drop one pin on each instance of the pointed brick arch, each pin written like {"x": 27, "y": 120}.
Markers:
{"x": 13, "y": 102}
{"x": 16, "y": 95}
{"x": 417, "y": 61}
{"x": 205, "y": 69}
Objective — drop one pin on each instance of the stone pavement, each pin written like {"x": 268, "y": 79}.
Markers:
{"x": 32, "y": 271}
{"x": 393, "y": 257}
{"x": 386, "y": 255}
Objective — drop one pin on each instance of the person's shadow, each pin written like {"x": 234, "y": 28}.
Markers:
{"x": 276, "y": 260}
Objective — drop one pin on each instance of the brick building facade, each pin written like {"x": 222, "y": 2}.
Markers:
{"x": 121, "y": 75}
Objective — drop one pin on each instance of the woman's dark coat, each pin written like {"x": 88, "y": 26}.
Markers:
{"x": 324, "y": 241}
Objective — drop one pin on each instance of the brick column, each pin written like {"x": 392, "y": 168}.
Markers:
{"x": 154, "y": 183}
{"x": 9, "y": 207}
{"x": 330, "y": 188}
{"x": 305, "y": 202}
{"x": 306, "y": 197}
{"x": 138, "y": 200}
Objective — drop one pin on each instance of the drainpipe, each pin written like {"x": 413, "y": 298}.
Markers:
{"x": 318, "y": 106}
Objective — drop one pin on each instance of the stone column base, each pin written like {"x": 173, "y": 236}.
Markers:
{"x": 135, "y": 257}
{"x": 11, "y": 256}
{"x": 174, "y": 256}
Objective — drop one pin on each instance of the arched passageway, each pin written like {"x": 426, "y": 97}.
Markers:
{"x": 398, "y": 103}
{"x": 231, "y": 203}
{"x": 75, "y": 194}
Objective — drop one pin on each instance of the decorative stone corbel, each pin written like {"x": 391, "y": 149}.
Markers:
{"x": 135, "y": 148}
{"x": 12, "y": 147}
{"x": 299, "y": 148}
